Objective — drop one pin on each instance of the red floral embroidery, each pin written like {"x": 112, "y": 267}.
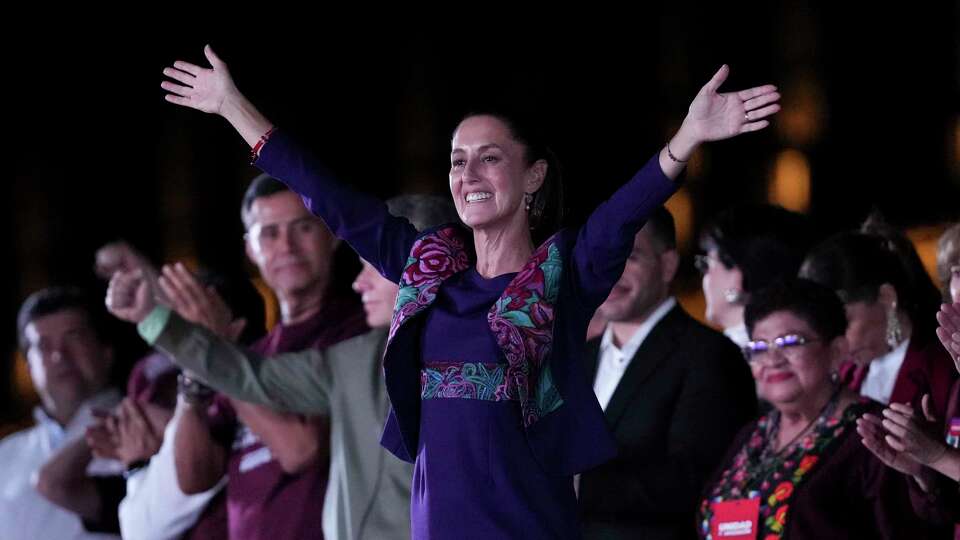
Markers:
{"x": 783, "y": 491}
{"x": 521, "y": 320}
{"x": 775, "y": 486}
{"x": 435, "y": 257}
{"x": 806, "y": 463}
{"x": 781, "y": 516}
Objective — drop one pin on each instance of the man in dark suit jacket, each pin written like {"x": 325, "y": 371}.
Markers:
{"x": 674, "y": 393}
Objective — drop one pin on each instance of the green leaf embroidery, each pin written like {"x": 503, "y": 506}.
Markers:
{"x": 519, "y": 318}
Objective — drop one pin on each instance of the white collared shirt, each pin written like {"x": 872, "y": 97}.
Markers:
{"x": 882, "y": 376}
{"x": 24, "y": 513}
{"x": 614, "y": 360}
{"x": 155, "y": 508}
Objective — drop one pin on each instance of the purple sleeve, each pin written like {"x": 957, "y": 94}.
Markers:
{"x": 606, "y": 240}
{"x": 359, "y": 219}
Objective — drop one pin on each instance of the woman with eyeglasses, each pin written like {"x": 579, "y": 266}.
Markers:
{"x": 746, "y": 248}
{"x": 800, "y": 470}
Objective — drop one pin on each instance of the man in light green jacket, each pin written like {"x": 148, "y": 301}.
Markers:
{"x": 368, "y": 495}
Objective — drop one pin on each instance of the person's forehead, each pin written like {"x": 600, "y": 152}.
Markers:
{"x": 779, "y": 323}
{"x": 478, "y": 131}
{"x": 57, "y": 323}
{"x": 278, "y": 208}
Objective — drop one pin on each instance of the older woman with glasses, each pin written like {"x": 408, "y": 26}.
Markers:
{"x": 800, "y": 471}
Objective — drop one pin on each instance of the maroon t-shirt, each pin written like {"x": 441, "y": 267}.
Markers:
{"x": 153, "y": 379}
{"x": 264, "y": 502}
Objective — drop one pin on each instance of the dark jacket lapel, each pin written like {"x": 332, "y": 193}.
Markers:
{"x": 654, "y": 350}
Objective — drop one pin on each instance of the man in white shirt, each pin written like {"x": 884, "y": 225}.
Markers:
{"x": 155, "y": 508}
{"x": 69, "y": 360}
{"x": 674, "y": 393}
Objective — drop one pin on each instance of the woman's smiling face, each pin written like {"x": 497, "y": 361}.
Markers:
{"x": 489, "y": 174}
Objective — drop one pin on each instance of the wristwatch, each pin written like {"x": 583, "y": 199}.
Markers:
{"x": 134, "y": 467}
{"x": 193, "y": 391}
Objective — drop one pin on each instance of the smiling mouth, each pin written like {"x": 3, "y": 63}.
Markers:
{"x": 478, "y": 196}
{"x": 778, "y": 377}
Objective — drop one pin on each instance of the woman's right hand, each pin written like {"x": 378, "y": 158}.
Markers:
{"x": 872, "y": 435}
{"x": 211, "y": 90}
{"x": 204, "y": 89}
{"x": 949, "y": 330}
{"x": 902, "y": 439}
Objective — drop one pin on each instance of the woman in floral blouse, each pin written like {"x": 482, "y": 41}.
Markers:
{"x": 800, "y": 471}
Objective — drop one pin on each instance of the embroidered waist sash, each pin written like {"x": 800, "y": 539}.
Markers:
{"x": 483, "y": 381}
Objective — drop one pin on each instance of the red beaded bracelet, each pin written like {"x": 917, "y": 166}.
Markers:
{"x": 255, "y": 152}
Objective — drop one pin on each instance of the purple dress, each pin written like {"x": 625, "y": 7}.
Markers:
{"x": 473, "y": 465}
{"x": 483, "y": 469}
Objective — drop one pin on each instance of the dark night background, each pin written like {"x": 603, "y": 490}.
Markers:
{"x": 871, "y": 107}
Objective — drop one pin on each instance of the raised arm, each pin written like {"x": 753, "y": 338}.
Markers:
{"x": 211, "y": 90}
{"x": 196, "y": 337}
{"x": 605, "y": 241}
{"x": 362, "y": 221}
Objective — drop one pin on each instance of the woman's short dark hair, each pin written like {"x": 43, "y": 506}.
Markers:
{"x": 546, "y": 209}
{"x": 856, "y": 264}
{"x": 924, "y": 295}
{"x": 815, "y": 304}
{"x": 765, "y": 242}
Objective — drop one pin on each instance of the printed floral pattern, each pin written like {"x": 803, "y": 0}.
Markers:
{"x": 521, "y": 320}
{"x": 433, "y": 258}
{"x": 482, "y": 381}
{"x": 775, "y": 484}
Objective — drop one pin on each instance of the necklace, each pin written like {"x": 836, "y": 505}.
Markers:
{"x": 768, "y": 460}
{"x": 774, "y": 431}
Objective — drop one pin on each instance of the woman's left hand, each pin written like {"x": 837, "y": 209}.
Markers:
{"x": 907, "y": 432}
{"x": 714, "y": 115}
{"x": 871, "y": 432}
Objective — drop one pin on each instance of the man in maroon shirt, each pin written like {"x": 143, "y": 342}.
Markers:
{"x": 276, "y": 463}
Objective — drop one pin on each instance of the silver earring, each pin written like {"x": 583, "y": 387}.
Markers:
{"x": 894, "y": 330}
{"x": 527, "y": 199}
